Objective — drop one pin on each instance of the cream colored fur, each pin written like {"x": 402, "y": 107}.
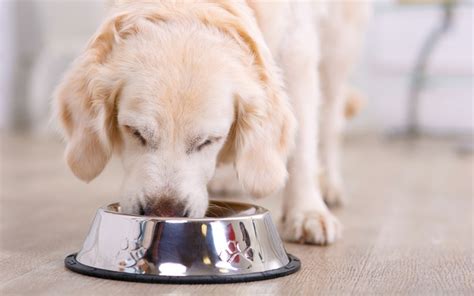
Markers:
{"x": 176, "y": 87}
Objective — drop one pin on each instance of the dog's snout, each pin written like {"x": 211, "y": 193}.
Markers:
{"x": 165, "y": 207}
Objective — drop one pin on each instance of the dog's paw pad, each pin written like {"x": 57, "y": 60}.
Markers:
{"x": 312, "y": 227}
{"x": 332, "y": 191}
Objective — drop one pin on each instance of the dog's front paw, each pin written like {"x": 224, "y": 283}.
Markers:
{"x": 331, "y": 190}
{"x": 311, "y": 227}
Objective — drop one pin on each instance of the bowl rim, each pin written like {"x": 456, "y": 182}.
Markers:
{"x": 259, "y": 214}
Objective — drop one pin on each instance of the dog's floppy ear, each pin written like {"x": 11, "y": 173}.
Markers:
{"x": 263, "y": 132}
{"x": 85, "y": 102}
{"x": 262, "y": 138}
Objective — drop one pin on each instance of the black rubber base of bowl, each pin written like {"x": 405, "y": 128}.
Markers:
{"x": 72, "y": 264}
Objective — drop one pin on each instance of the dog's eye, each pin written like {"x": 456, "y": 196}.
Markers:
{"x": 207, "y": 142}
{"x": 136, "y": 133}
{"x": 204, "y": 144}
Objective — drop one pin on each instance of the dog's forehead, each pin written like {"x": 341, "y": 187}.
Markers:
{"x": 192, "y": 98}
{"x": 191, "y": 110}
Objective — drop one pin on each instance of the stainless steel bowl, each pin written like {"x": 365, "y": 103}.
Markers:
{"x": 235, "y": 242}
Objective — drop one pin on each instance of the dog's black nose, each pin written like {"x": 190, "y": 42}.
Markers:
{"x": 165, "y": 207}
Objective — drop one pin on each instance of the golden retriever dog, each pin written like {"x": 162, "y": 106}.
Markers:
{"x": 176, "y": 88}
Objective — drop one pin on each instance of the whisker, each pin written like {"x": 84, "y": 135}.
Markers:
{"x": 220, "y": 210}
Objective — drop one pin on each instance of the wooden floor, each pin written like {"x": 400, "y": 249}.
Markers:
{"x": 408, "y": 225}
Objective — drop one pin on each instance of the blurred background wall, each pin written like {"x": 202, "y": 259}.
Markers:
{"x": 39, "y": 38}
{"x": 395, "y": 38}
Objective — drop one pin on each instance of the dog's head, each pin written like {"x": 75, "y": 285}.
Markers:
{"x": 173, "y": 93}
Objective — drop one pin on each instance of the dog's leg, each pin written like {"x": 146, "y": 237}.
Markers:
{"x": 306, "y": 218}
{"x": 332, "y": 120}
{"x": 341, "y": 35}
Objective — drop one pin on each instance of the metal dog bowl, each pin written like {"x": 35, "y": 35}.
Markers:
{"x": 235, "y": 242}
